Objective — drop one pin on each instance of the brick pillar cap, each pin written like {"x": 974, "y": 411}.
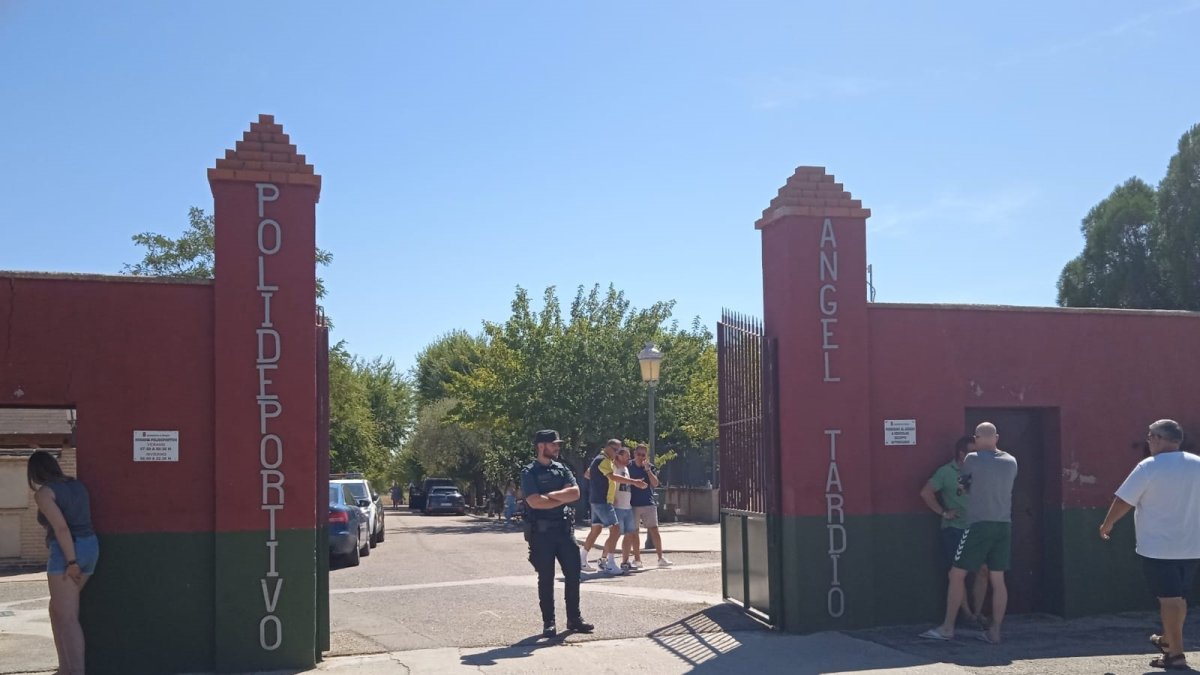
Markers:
{"x": 812, "y": 192}
{"x": 265, "y": 154}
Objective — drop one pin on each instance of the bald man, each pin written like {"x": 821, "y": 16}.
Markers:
{"x": 987, "y": 475}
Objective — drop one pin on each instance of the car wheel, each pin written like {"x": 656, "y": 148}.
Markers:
{"x": 379, "y": 537}
{"x": 366, "y": 547}
{"x": 353, "y": 558}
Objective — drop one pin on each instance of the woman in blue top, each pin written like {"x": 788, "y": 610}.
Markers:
{"x": 64, "y": 510}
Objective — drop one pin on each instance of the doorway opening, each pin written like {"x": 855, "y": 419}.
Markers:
{"x": 1032, "y": 436}
{"x": 22, "y": 431}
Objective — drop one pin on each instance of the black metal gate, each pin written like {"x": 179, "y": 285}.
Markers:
{"x": 748, "y": 416}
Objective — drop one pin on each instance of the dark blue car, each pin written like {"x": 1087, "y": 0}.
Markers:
{"x": 349, "y": 536}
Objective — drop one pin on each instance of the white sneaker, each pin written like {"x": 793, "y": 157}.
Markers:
{"x": 637, "y": 564}
{"x": 663, "y": 562}
{"x": 588, "y": 567}
{"x": 612, "y": 568}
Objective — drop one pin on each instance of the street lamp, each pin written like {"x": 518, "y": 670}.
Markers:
{"x": 650, "y": 359}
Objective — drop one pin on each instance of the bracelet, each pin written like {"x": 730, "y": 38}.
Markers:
{"x": 72, "y": 562}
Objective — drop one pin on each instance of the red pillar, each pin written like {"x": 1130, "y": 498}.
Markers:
{"x": 265, "y": 199}
{"x": 815, "y": 306}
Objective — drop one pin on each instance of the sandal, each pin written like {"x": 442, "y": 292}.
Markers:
{"x": 1160, "y": 642}
{"x": 1177, "y": 662}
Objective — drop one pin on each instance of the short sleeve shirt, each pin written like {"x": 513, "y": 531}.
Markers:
{"x": 622, "y": 498}
{"x": 989, "y": 477}
{"x": 599, "y": 487}
{"x": 954, "y": 498}
{"x": 641, "y": 497}
{"x": 540, "y": 479}
{"x": 1165, "y": 493}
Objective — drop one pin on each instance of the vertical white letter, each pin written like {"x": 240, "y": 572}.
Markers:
{"x": 262, "y": 198}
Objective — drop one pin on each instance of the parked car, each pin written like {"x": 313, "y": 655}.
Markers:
{"x": 349, "y": 535}
{"x": 363, "y": 493}
{"x": 445, "y": 500}
{"x": 417, "y": 494}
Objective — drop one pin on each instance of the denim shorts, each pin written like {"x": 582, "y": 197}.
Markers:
{"x": 604, "y": 514}
{"x": 87, "y": 553}
{"x": 625, "y": 518}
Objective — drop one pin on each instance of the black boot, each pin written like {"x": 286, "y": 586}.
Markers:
{"x": 579, "y": 625}
{"x": 549, "y": 630}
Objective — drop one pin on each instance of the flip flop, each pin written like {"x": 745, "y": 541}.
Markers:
{"x": 984, "y": 637}
{"x": 934, "y": 634}
{"x": 1177, "y": 662}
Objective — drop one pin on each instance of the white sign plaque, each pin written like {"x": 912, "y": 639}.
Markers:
{"x": 899, "y": 432}
{"x": 156, "y": 446}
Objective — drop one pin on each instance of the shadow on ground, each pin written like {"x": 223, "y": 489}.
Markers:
{"x": 1032, "y": 637}
{"x": 520, "y": 650}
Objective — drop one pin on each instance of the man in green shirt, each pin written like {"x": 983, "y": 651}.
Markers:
{"x": 946, "y": 497}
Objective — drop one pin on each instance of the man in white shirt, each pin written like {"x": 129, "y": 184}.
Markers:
{"x": 1165, "y": 491}
{"x": 623, "y": 505}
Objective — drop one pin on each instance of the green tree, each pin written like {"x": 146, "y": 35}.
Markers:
{"x": 353, "y": 430}
{"x": 1178, "y": 245}
{"x": 578, "y": 373}
{"x": 391, "y": 400}
{"x": 447, "y": 447}
{"x": 1116, "y": 267}
{"x": 455, "y": 353}
{"x": 1141, "y": 245}
{"x": 192, "y": 253}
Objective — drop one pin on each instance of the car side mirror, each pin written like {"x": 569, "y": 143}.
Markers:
{"x": 364, "y": 503}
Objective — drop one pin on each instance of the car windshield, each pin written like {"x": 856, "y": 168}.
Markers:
{"x": 333, "y": 494}
{"x": 359, "y": 490}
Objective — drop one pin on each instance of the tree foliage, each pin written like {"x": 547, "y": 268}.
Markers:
{"x": 455, "y": 352}
{"x": 192, "y": 254}
{"x": 575, "y": 371}
{"x": 1142, "y": 245}
{"x": 445, "y": 446}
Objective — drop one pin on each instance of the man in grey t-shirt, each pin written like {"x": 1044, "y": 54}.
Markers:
{"x": 987, "y": 475}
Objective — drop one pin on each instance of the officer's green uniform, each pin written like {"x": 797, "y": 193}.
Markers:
{"x": 551, "y": 535}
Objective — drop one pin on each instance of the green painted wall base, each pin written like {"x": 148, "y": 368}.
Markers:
{"x": 183, "y": 603}
{"x": 149, "y": 607}
{"x": 891, "y": 571}
{"x": 241, "y": 568}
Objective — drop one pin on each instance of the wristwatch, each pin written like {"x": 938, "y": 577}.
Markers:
{"x": 72, "y": 562}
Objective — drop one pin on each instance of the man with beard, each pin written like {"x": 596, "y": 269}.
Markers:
{"x": 549, "y": 487}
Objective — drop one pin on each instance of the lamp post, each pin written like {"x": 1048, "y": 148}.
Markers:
{"x": 650, "y": 359}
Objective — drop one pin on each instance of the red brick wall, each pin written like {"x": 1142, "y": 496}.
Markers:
{"x": 1110, "y": 374}
{"x": 128, "y": 355}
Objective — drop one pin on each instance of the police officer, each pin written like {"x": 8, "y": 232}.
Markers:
{"x": 549, "y": 487}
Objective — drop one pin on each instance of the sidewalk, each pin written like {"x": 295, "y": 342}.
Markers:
{"x": 673, "y": 652}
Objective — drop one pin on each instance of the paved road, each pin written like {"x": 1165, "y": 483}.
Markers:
{"x": 26, "y": 643}
{"x": 459, "y": 581}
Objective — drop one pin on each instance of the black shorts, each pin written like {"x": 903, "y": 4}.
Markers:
{"x": 1169, "y": 578}
{"x": 950, "y": 538}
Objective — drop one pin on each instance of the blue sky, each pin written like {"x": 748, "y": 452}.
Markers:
{"x": 467, "y": 148}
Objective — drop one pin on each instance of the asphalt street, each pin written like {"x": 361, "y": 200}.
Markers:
{"x": 460, "y": 581}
